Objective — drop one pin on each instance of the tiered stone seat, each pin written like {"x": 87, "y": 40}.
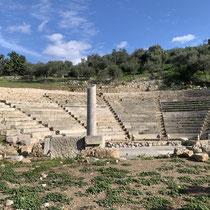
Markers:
{"x": 106, "y": 123}
{"x": 137, "y": 114}
{"x": 184, "y": 117}
{"x": 18, "y": 127}
{"x": 52, "y": 116}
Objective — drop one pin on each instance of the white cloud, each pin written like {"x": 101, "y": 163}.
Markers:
{"x": 183, "y": 39}
{"x": 42, "y": 10}
{"x": 13, "y": 46}
{"x": 122, "y": 44}
{"x": 72, "y": 50}
{"x": 24, "y": 28}
{"x": 42, "y": 25}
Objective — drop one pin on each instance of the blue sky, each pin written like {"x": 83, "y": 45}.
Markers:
{"x": 44, "y": 30}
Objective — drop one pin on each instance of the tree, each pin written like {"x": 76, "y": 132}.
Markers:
{"x": 131, "y": 66}
{"x": 17, "y": 64}
{"x": 114, "y": 71}
{"x": 2, "y": 64}
{"x": 155, "y": 58}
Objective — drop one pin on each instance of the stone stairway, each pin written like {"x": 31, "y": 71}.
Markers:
{"x": 205, "y": 129}
{"x": 18, "y": 127}
{"x": 184, "y": 117}
{"x": 159, "y": 116}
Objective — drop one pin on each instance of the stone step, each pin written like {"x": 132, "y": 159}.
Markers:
{"x": 4, "y": 109}
{"x": 32, "y": 130}
{"x": 146, "y": 136}
{"x": 12, "y": 114}
{"x": 22, "y": 123}
{"x": 182, "y": 135}
{"x": 16, "y": 119}
{"x": 111, "y": 133}
{"x": 114, "y": 137}
{"x": 41, "y": 134}
{"x": 9, "y": 132}
{"x": 80, "y": 132}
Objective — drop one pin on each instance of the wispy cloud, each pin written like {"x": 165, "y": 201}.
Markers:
{"x": 42, "y": 10}
{"x": 75, "y": 19}
{"x": 16, "y": 47}
{"x": 184, "y": 39}
{"x": 42, "y": 25}
{"x": 10, "y": 5}
{"x": 24, "y": 28}
{"x": 122, "y": 44}
{"x": 72, "y": 50}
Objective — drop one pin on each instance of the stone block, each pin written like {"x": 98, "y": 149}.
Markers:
{"x": 94, "y": 141}
{"x": 63, "y": 147}
{"x": 202, "y": 157}
{"x": 12, "y": 139}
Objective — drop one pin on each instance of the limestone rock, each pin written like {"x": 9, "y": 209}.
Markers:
{"x": 197, "y": 149}
{"x": 202, "y": 157}
{"x": 26, "y": 160}
{"x": 9, "y": 203}
{"x": 25, "y": 150}
{"x": 187, "y": 153}
{"x": 10, "y": 150}
{"x": 191, "y": 143}
{"x": 18, "y": 158}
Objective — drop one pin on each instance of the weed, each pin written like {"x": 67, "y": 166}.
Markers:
{"x": 85, "y": 170}
{"x": 8, "y": 174}
{"x": 157, "y": 202}
{"x": 149, "y": 173}
{"x": 56, "y": 197}
{"x": 100, "y": 163}
{"x": 125, "y": 164}
{"x": 188, "y": 171}
{"x": 151, "y": 181}
{"x": 98, "y": 187}
{"x": 176, "y": 160}
{"x": 113, "y": 172}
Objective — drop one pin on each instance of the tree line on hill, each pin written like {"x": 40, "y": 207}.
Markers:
{"x": 180, "y": 65}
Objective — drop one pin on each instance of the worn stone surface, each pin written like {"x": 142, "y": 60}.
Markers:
{"x": 91, "y": 111}
{"x": 99, "y": 152}
{"x": 94, "y": 140}
{"x": 202, "y": 157}
{"x": 65, "y": 147}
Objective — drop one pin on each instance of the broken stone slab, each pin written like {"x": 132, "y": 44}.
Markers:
{"x": 18, "y": 158}
{"x": 201, "y": 157}
{"x": 63, "y": 147}
{"x": 92, "y": 141}
{"x": 28, "y": 141}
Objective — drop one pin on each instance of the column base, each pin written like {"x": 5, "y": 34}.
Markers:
{"x": 94, "y": 141}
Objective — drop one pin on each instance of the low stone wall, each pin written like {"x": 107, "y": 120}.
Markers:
{"x": 142, "y": 144}
{"x": 63, "y": 147}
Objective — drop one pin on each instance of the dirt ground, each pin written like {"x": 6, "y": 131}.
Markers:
{"x": 140, "y": 183}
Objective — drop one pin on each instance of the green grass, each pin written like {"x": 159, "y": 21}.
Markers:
{"x": 49, "y": 84}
